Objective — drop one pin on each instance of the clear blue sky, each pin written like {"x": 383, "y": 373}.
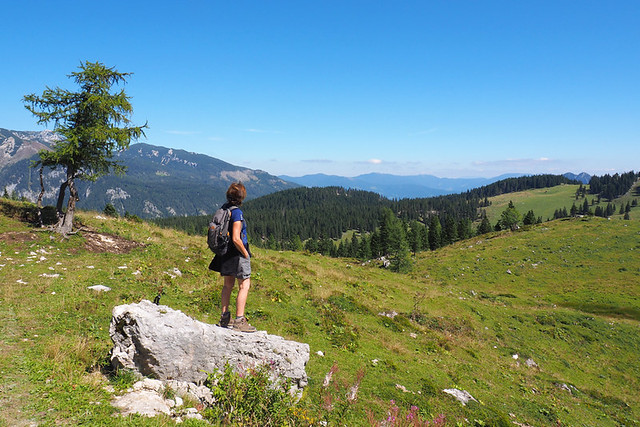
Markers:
{"x": 449, "y": 88}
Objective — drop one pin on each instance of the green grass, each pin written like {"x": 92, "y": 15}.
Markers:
{"x": 545, "y": 201}
{"x": 563, "y": 293}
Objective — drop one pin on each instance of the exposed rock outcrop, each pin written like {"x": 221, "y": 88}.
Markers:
{"x": 160, "y": 342}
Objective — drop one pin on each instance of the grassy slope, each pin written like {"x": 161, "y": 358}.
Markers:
{"x": 564, "y": 294}
{"x": 545, "y": 201}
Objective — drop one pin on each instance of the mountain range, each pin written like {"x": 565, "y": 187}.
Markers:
{"x": 164, "y": 182}
{"x": 411, "y": 186}
{"x": 159, "y": 182}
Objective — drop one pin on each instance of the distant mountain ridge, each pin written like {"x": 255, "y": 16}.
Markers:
{"x": 581, "y": 177}
{"x": 160, "y": 181}
{"x": 410, "y": 186}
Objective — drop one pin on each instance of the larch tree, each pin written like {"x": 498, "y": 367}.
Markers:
{"x": 93, "y": 122}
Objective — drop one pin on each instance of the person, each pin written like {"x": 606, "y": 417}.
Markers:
{"x": 235, "y": 265}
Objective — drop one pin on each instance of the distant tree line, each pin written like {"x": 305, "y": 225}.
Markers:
{"x": 609, "y": 187}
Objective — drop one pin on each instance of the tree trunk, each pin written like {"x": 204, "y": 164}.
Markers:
{"x": 66, "y": 225}
{"x": 40, "y": 196}
{"x": 65, "y": 220}
{"x": 61, "y": 194}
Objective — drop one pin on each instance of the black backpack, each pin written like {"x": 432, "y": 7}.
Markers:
{"x": 218, "y": 236}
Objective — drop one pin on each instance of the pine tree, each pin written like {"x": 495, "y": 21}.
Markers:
{"x": 510, "y": 217}
{"x": 364, "y": 249}
{"x": 574, "y": 210}
{"x": 413, "y": 237}
{"x": 599, "y": 211}
{"x": 449, "y": 231}
{"x": 94, "y": 123}
{"x": 464, "y": 229}
{"x": 529, "y": 218}
{"x": 435, "y": 231}
{"x": 424, "y": 237}
{"x": 354, "y": 246}
{"x": 485, "y": 225}
{"x": 110, "y": 210}
{"x": 296, "y": 243}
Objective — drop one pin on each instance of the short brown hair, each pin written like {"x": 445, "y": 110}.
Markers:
{"x": 236, "y": 193}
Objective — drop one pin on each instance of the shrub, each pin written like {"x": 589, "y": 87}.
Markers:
{"x": 110, "y": 210}
{"x": 252, "y": 398}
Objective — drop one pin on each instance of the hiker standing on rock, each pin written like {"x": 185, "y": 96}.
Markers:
{"x": 236, "y": 263}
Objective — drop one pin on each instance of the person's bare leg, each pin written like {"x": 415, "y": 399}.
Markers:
{"x": 226, "y": 292}
{"x": 243, "y": 292}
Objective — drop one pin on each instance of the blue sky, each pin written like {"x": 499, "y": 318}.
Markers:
{"x": 448, "y": 88}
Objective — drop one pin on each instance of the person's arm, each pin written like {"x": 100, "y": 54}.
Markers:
{"x": 237, "y": 240}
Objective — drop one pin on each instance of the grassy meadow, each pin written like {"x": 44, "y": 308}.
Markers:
{"x": 545, "y": 201}
{"x": 541, "y": 326}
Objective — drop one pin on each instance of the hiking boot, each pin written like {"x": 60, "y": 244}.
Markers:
{"x": 225, "y": 320}
{"x": 241, "y": 325}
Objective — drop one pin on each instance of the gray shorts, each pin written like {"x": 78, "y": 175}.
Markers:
{"x": 244, "y": 268}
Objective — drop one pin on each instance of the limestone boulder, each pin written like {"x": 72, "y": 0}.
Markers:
{"x": 159, "y": 342}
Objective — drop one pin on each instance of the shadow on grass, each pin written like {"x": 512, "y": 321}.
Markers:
{"x": 605, "y": 309}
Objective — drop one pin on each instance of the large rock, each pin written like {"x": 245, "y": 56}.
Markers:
{"x": 159, "y": 342}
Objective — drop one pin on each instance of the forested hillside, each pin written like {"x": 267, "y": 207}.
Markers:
{"x": 334, "y": 221}
{"x": 315, "y": 218}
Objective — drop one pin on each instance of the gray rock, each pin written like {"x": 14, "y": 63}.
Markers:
{"x": 463, "y": 396}
{"x": 143, "y": 402}
{"x": 157, "y": 341}
{"x": 99, "y": 288}
{"x": 531, "y": 363}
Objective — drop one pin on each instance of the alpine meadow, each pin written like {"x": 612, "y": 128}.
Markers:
{"x": 537, "y": 324}
{"x": 320, "y": 214}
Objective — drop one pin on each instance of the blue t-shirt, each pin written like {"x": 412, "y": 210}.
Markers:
{"x": 236, "y": 215}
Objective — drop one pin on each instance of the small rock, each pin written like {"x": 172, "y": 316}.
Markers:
{"x": 391, "y": 314}
{"x": 509, "y": 271}
{"x": 530, "y": 363}
{"x": 99, "y": 288}
{"x": 319, "y": 353}
{"x": 143, "y": 402}
{"x": 402, "y": 388}
{"x": 515, "y": 357}
{"x": 463, "y": 396}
